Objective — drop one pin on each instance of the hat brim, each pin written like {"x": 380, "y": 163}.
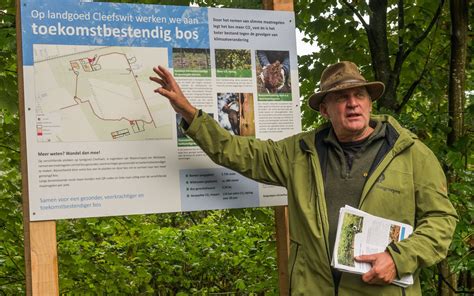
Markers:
{"x": 375, "y": 90}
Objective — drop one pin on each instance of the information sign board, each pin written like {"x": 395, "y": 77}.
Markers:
{"x": 100, "y": 142}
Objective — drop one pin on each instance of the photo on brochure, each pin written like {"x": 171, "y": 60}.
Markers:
{"x": 351, "y": 226}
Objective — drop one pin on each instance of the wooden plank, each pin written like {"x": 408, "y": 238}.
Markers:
{"x": 286, "y": 5}
{"x": 41, "y": 264}
{"x": 44, "y": 258}
{"x": 283, "y": 247}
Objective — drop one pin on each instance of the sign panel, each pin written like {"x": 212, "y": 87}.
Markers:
{"x": 100, "y": 142}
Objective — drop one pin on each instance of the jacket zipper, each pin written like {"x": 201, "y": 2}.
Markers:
{"x": 293, "y": 265}
{"x": 318, "y": 211}
{"x": 324, "y": 236}
{"x": 403, "y": 292}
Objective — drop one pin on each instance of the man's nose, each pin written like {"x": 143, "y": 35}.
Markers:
{"x": 352, "y": 101}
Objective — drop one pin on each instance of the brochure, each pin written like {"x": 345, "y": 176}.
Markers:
{"x": 359, "y": 233}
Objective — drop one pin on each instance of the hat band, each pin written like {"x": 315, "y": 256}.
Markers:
{"x": 344, "y": 82}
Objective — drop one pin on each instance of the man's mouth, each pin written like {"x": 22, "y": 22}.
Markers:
{"x": 353, "y": 115}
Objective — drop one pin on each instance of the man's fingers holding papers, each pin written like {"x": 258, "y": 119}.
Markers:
{"x": 383, "y": 269}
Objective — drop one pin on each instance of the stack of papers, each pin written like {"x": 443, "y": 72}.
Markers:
{"x": 359, "y": 233}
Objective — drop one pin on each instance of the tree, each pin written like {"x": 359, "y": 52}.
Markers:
{"x": 457, "y": 74}
{"x": 11, "y": 225}
{"x": 394, "y": 39}
{"x": 456, "y": 139}
{"x": 8, "y": 81}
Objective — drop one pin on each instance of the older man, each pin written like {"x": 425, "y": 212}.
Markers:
{"x": 357, "y": 159}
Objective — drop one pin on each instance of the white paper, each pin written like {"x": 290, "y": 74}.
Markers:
{"x": 359, "y": 233}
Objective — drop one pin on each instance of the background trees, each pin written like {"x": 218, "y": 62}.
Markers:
{"x": 415, "y": 48}
{"x": 409, "y": 45}
{"x": 11, "y": 224}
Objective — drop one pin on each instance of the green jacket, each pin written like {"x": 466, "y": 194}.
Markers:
{"x": 406, "y": 185}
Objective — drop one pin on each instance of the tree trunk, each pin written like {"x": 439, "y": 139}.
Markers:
{"x": 444, "y": 270}
{"x": 378, "y": 44}
{"x": 457, "y": 74}
{"x": 456, "y": 100}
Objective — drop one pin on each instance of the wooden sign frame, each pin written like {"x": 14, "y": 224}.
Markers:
{"x": 41, "y": 258}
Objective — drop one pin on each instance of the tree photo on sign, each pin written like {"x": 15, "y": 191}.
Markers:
{"x": 233, "y": 63}
{"x": 405, "y": 44}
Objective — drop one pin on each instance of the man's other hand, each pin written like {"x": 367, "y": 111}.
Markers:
{"x": 383, "y": 270}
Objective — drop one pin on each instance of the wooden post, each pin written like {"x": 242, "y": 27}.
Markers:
{"x": 283, "y": 247}
{"x": 286, "y": 5}
{"x": 41, "y": 259}
{"x": 281, "y": 213}
{"x": 44, "y": 258}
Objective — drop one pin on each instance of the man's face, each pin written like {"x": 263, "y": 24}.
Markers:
{"x": 349, "y": 113}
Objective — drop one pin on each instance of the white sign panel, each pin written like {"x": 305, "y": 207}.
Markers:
{"x": 100, "y": 142}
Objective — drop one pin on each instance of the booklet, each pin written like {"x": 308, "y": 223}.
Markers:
{"x": 359, "y": 233}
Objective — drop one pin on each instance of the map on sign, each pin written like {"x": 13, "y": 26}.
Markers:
{"x": 92, "y": 93}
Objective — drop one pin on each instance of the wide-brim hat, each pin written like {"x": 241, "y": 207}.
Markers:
{"x": 343, "y": 75}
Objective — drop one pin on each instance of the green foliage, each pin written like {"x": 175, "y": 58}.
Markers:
{"x": 8, "y": 81}
{"x": 429, "y": 122}
{"x": 339, "y": 35}
{"x": 333, "y": 26}
{"x": 209, "y": 252}
{"x": 11, "y": 224}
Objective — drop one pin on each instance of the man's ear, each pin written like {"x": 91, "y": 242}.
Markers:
{"x": 323, "y": 110}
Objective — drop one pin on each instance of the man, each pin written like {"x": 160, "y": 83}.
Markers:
{"x": 369, "y": 162}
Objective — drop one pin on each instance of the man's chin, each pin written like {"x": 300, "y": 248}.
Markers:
{"x": 356, "y": 127}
